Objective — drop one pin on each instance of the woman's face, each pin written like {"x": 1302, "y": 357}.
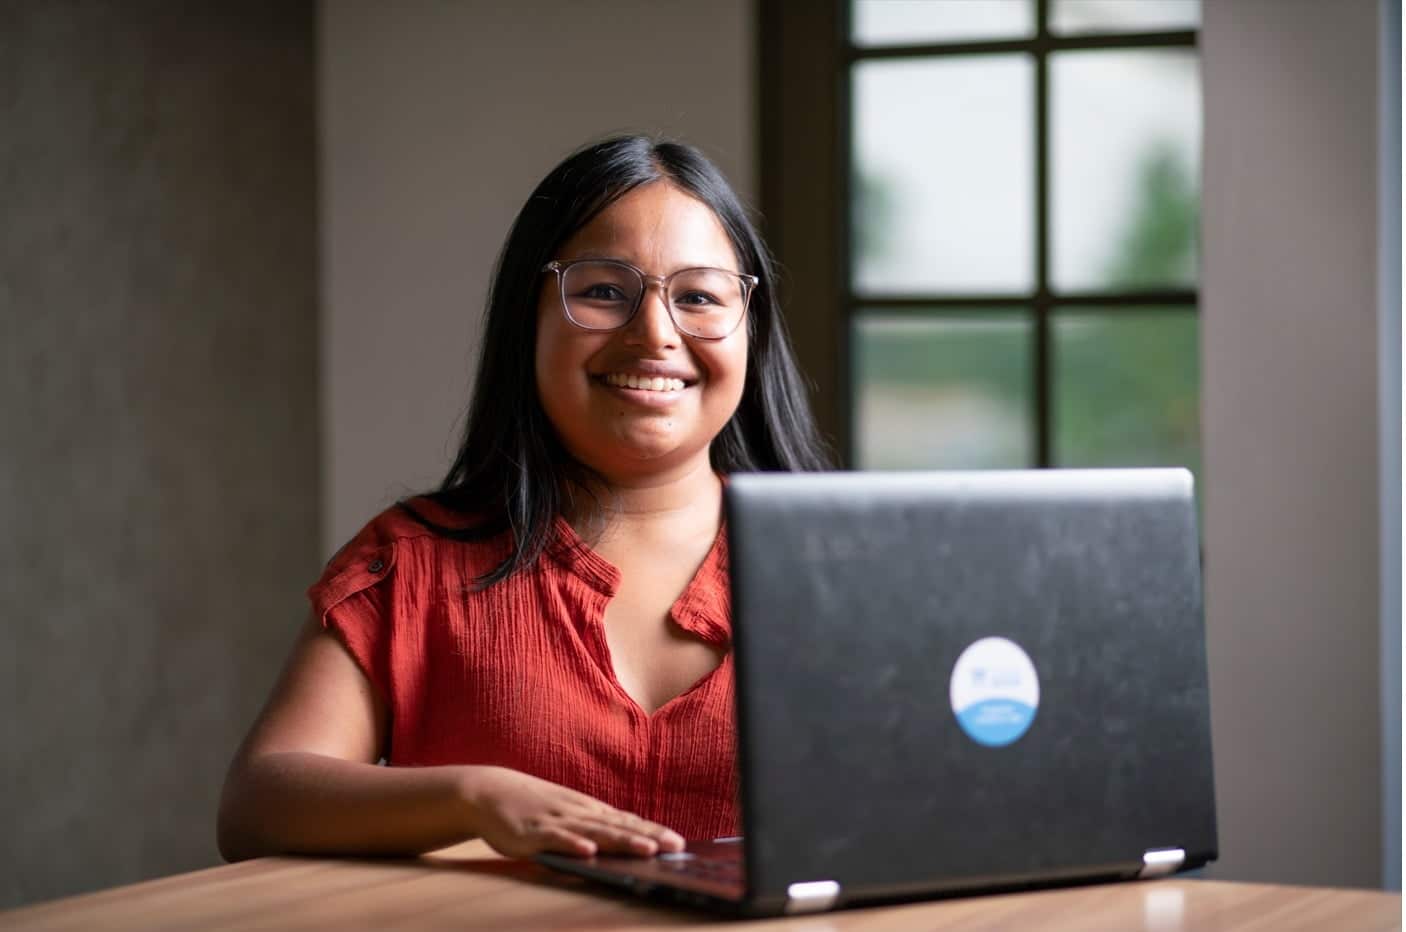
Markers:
{"x": 625, "y": 433}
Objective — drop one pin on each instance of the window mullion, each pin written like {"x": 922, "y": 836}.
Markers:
{"x": 1044, "y": 370}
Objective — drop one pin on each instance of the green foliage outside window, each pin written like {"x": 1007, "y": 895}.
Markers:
{"x": 1125, "y": 381}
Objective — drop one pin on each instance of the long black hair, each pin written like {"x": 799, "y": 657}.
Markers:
{"x": 512, "y": 472}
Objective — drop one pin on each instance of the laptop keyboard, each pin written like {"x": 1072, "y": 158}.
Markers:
{"x": 717, "y": 870}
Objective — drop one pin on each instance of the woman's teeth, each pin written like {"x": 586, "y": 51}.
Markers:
{"x": 644, "y": 383}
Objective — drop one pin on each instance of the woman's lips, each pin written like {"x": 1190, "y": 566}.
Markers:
{"x": 645, "y": 381}
{"x": 648, "y": 397}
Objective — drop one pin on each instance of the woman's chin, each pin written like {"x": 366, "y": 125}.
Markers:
{"x": 650, "y": 455}
{"x": 636, "y": 456}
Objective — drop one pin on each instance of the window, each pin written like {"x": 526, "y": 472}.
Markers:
{"x": 1016, "y": 239}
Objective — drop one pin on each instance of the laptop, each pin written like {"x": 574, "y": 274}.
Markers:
{"x": 952, "y": 683}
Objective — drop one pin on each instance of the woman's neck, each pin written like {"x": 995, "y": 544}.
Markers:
{"x": 690, "y": 497}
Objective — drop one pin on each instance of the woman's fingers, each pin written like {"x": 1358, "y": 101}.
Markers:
{"x": 623, "y": 831}
{"x": 521, "y": 815}
{"x": 596, "y": 811}
{"x": 613, "y": 837}
{"x": 666, "y": 838}
{"x": 563, "y": 840}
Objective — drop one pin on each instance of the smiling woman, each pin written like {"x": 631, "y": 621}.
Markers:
{"x": 540, "y": 648}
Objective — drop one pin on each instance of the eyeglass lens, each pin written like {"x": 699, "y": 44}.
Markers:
{"x": 604, "y": 295}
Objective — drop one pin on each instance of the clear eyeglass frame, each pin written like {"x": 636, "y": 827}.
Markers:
{"x": 560, "y": 267}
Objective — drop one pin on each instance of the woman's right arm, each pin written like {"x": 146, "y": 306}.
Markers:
{"x": 306, "y": 781}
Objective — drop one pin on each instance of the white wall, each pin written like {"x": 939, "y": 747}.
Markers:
{"x": 437, "y": 121}
{"x": 1290, "y": 317}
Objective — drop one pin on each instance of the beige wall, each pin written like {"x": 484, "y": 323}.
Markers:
{"x": 1290, "y": 316}
{"x": 437, "y": 121}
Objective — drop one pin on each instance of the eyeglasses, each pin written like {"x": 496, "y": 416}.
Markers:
{"x": 605, "y": 294}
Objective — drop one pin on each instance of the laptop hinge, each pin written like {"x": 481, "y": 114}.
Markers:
{"x": 1158, "y": 862}
{"x": 811, "y": 897}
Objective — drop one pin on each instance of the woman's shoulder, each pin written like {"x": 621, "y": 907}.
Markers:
{"x": 428, "y": 516}
{"x": 421, "y": 521}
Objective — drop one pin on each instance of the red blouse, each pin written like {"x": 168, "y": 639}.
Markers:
{"x": 519, "y": 674}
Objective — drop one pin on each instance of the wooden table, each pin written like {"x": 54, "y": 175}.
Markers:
{"x": 469, "y": 887}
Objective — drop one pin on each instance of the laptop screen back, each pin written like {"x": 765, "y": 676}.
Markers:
{"x": 953, "y": 680}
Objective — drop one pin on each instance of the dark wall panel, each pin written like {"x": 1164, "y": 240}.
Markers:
{"x": 158, "y": 418}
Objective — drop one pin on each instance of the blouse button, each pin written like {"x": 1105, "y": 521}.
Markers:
{"x": 377, "y": 565}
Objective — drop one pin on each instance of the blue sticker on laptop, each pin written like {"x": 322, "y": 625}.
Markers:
{"x": 995, "y": 691}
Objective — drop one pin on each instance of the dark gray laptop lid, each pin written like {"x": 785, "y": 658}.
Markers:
{"x": 855, "y": 596}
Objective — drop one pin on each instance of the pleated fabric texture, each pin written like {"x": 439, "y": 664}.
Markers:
{"x": 519, "y": 675}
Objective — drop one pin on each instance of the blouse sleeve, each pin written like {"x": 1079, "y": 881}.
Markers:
{"x": 352, "y": 600}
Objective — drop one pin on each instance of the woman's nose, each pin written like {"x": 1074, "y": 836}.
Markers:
{"x": 652, "y": 324}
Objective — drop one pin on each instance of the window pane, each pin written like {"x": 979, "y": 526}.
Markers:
{"x": 903, "y": 22}
{"x": 1125, "y": 169}
{"x": 943, "y": 175}
{"x": 950, "y": 392}
{"x": 1082, "y": 16}
{"x": 1127, "y": 388}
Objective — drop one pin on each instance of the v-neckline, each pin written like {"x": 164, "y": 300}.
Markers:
{"x": 694, "y": 611}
